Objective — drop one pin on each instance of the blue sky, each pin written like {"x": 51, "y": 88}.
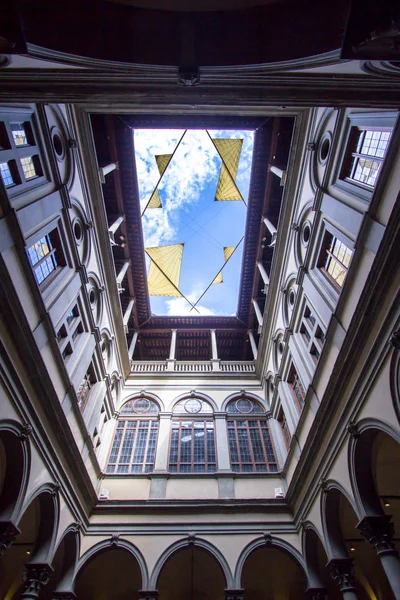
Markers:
{"x": 191, "y": 216}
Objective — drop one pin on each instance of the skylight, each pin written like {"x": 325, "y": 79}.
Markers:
{"x": 188, "y": 233}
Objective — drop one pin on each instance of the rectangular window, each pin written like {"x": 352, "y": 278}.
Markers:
{"x": 365, "y": 153}
{"x": 285, "y": 429}
{"x": 20, "y": 157}
{"x": 334, "y": 259}
{"x": 192, "y": 447}
{"x": 297, "y": 389}
{"x": 69, "y": 332}
{"x": 134, "y": 446}
{"x": 312, "y": 333}
{"x": 250, "y": 446}
{"x": 46, "y": 256}
{"x": 85, "y": 387}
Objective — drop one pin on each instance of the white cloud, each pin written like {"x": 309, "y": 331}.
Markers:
{"x": 178, "y": 307}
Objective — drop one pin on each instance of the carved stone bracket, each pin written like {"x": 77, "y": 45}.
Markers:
{"x": 234, "y": 594}
{"x": 268, "y": 539}
{"x": 324, "y": 486}
{"x": 188, "y": 77}
{"x": 36, "y": 577}
{"x": 8, "y": 533}
{"x": 395, "y": 339}
{"x": 114, "y": 540}
{"x": 25, "y": 432}
{"x": 379, "y": 532}
{"x": 191, "y": 539}
{"x": 352, "y": 428}
{"x": 342, "y": 571}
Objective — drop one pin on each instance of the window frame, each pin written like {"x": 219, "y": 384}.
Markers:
{"x": 379, "y": 121}
{"x": 314, "y": 344}
{"x": 260, "y": 418}
{"x": 293, "y": 374}
{"x": 12, "y": 153}
{"x": 283, "y": 424}
{"x": 70, "y": 328}
{"x": 150, "y": 419}
{"x": 324, "y": 251}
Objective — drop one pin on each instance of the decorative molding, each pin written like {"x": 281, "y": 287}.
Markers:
{"x": 8, "y": 533}
{"x": 25, "y": 432}
{"x": 395, "y": 339}
{"x": 352, "y": 428}
{"x": 35, "y": 577}
{"x": 268, "y": 539}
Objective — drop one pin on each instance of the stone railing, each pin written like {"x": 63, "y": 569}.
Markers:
{"x": 183, "y": 366}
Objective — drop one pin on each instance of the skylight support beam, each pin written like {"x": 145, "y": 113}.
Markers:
{"x": 114, "y": 228}
{"x": 122, "y": 273}
{"x": 263, "y": 273}
{"x": 279, "y": 173}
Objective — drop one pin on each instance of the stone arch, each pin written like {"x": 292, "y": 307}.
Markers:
{"x": 267, "y": 541}
{"x": 330, "y": 517}
{"x": 15, "y": 445}
{"x": 238, "y": 395}
{"x": 395, "y": 375}
{"x": 142, "y": 394}
{"x": 315, "y": 555}
{"x": 113, "y": 543}
{"x": 49, "y": 514}
{"x": 65, "y": 560}
{"x": 196, "y": 394}
{"x": 186, "y": 543}
{"x": 360, "y": 459}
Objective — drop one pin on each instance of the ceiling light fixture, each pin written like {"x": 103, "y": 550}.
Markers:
{"x": 386, "y": 502}
{"x": 352, "y": 549}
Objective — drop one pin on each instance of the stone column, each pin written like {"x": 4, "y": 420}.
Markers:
{"x": 172, "y": 350}
{"x": 36, "y": 577}
{"x": 378, "y": 531}
{"x": 214, "y": 350}
{"x": 272, "y": 229}
{"x": 253, "y": 344}
{"x": 8, "y": 533}
{"x": 279, "y": 173}
{"x": 122, "y": 273}
{"x": 234, "y": 594}
{"x": 258, "y": 314}
{"x": 128, "y": 312}
{"x": 342, "y": 571}
{"x": 221, "y": 435}
{"x": 103, "y": 171}
{"x": 161, "y": 458}
{"x": 132, "y": 345}
{"x": 115, "y": 226}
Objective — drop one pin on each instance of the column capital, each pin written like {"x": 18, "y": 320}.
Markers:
{"x": 234, "y": 594}
{"x": 147, "y": 594}
{"x": 316, "y": 594}
{"x": 8, "y": 533}
{"x": 63, "y": 596}
{"x": 378, "y": 530}
{"x": 36, "y": 576}
{"x": 342, "y": 571}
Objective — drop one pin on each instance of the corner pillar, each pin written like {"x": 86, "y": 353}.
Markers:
{"x": 172, "y": 351}
{"x": 378, "y": 531}
{"x": 342, "y": 571}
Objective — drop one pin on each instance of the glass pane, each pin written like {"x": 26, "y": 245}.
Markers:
{"x": 28, "y": 167}
{"x": 19, "y": 134}
{"x": 6, "y": 174}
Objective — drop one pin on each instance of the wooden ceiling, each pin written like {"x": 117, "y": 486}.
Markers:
{"x": 114, "y": 143}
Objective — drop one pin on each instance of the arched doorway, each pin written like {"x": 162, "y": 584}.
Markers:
{"x": 191, "y": 573}
{"x": 345, "y": 541}
{"x": 269, "y": 573}
{"x": 111, "y": 572}
{"x": 63, "y": 564}
{"x": 317, "y": 560}
{"x": 33, "y": 545}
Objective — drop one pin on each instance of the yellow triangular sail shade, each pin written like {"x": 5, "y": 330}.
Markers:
{"x": 162, "y": 161}
{"x": 218, "y": 278}
{"x": 229, "y": 151}
{"x": 165, "y": 270}
{"x": 228, "y": 251}
{"x": 155, "y": 200}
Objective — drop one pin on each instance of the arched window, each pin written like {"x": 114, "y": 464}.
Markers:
{"x": 135, "y": 439}
{"x": 192, "y": 445}
{"x": 250, "y": 445}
